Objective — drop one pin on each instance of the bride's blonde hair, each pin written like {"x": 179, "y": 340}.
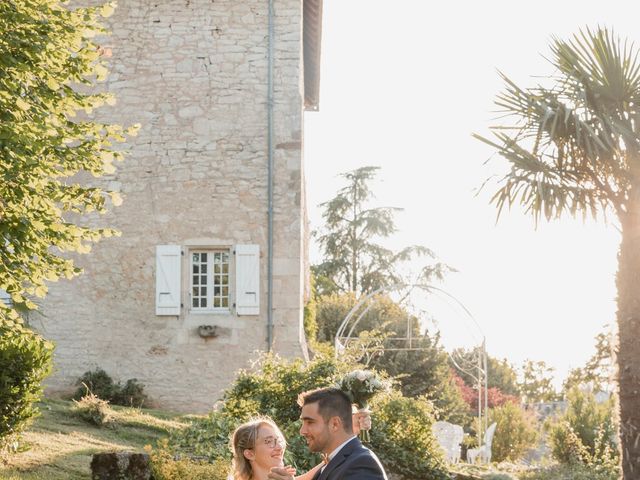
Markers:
{"x": 244, "y": 438}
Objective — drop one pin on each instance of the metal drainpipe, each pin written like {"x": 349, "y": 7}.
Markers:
{"x": 270, "y": 181}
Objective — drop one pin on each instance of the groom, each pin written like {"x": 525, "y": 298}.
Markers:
{"x": 327, "y": 427}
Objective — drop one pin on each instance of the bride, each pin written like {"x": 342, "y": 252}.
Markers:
{"x": 259, "y": 445}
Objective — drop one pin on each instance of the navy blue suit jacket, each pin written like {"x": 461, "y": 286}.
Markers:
{"x": 353, "y": 462}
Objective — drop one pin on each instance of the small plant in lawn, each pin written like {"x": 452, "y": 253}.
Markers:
{"x": 94, "y": 410}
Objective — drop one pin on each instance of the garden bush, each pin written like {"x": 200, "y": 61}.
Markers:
{"x": 97, "y": 382}
{"x": 570, "y": 472}
{"x": 566, "y": 446}
{"x": 164, "y": 466}
{"x": 271, "y": 389}
{"x": 102, "y": 385}
{"x": 402, "y": 437}
{"x": 25, "y": 361}
{"x": 130, "y": 395}
{"x": 585, "y": 433}
{"x": 516, "y": 432}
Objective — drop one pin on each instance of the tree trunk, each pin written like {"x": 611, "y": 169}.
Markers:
{"x": 628, "y": 342}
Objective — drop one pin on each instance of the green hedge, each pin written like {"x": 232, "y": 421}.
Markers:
{"x": 403, "y": 440}
{"x": 25, "y": 361}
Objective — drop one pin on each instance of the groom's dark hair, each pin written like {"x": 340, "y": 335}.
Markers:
{"x": 332, "y": 402}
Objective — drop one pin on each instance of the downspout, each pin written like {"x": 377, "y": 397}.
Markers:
{"x": 270, "y": 181}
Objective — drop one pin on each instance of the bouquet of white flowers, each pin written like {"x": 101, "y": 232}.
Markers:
{"x": 361, "y": 386}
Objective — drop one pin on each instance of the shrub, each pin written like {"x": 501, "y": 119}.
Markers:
{"x": 402, "y": 437}
{"x": 25, "y": 361}
{"x": 272, "y": 389}
{"x": 206, "y": 438}
{"x": 566, "y": 446}
{"x": 516, "y": 432}
{"x": 131, "y": 395}
{"x": 97, "y": 382}
{"x": 94, "y": 410}
{"x": 586, "y": 432}
{"x": 570, "y": 472}
{"x": 165, "y": 467}
{"x": 102, "y": 385}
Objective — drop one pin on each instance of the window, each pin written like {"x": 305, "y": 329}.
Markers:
{"x": 209, "y": 275}
{"x": 6, "y": 298}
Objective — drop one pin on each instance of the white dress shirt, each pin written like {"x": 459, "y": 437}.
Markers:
{"x": 337, "y": 449}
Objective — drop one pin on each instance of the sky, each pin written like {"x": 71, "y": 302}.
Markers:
{"x": 404, "y": 85}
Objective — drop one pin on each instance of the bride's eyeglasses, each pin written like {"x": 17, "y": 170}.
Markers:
{"x": 271, "y": 442}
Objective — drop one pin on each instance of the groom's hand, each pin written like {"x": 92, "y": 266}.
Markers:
{"x": 282, "y": 473}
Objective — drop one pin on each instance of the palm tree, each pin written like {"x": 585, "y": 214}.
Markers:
{"x": 574, "y": 146}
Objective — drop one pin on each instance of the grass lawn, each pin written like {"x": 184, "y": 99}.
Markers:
{"x": 60, "y": 445}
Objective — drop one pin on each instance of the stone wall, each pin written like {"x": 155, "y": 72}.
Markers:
{"x": 194, "y": 74}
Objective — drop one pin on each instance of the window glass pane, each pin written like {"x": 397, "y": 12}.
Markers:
{"x": 210, "y": 289}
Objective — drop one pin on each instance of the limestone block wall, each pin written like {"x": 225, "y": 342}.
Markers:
{"x": 194, "y": 74}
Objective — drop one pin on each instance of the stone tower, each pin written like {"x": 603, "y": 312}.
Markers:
{"x": 181, "y": 300}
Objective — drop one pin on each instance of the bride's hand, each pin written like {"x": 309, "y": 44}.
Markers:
{"x": 361, "y": 421}
{"x": 282, "y": 473}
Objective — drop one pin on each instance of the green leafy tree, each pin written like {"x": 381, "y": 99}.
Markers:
{"x": 382, "y": 314}
{"x": 381, "y": 341}
{"x": 49, "y": 60}
{"x": 354, "y": 260}
{"x": 536, "y": 383}
{"x": 598, "y": 371}
{"x": 575, "y": 147}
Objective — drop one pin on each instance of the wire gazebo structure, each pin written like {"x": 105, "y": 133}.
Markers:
{"x": 478, "y": 371}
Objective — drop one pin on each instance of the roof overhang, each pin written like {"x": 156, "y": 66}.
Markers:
{"x": 312, "y": 39}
